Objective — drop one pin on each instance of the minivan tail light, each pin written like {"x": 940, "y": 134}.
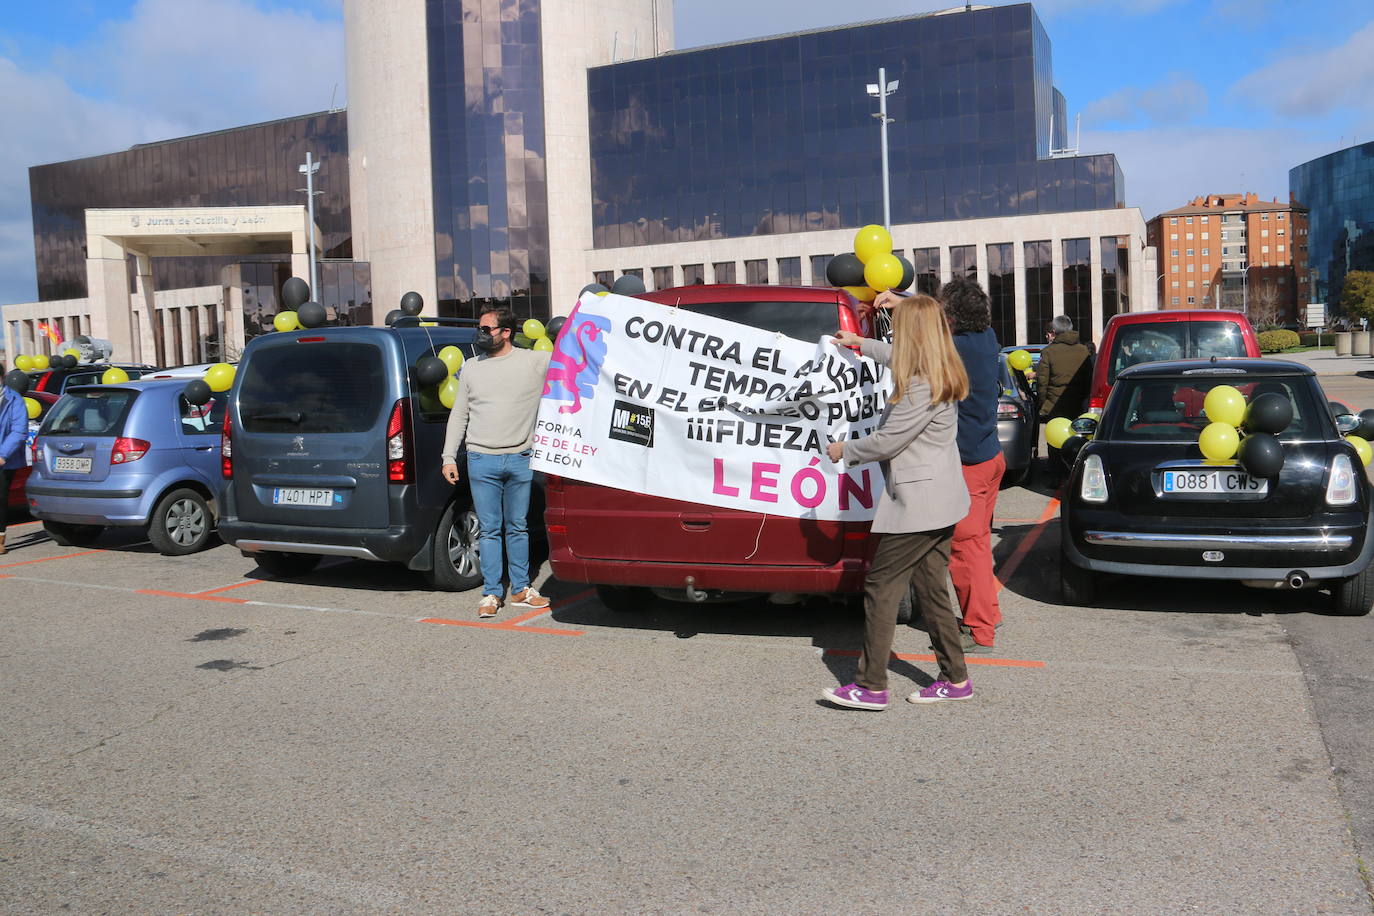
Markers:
{"x": 126, "y": 450}
{"x": 398, "y": 450}
{"x": 226, "y": 449}
{"x": 1340, "y": 489}
{"x": 1097, "y": 402}
{"x": 1008, "y": 411}
{"x": 1093, "y": 489}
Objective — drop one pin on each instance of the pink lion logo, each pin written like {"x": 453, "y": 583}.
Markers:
{"x": 576, "y": 360}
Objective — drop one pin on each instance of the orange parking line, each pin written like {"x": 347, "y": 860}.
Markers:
{"x": 65, "y": 556}
{"x": 1009, "y": 568}
{"x": 485, "y": 625}
{"x": 153, "y": 591}
{"x": 968, "y": 659}
{"x": 225, "y": 588}
{"x": 539, "y": 612}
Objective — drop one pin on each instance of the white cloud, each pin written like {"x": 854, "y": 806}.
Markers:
{"x": 1314, "y": 83}
{"x": 1177, "y": 100}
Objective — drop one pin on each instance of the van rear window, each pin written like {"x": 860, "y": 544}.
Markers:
{"x": 90, "y": 413}
{"x": 802, "y": 320}
{"x": 312, "y": 388}
{"x": 1148, "y": 343}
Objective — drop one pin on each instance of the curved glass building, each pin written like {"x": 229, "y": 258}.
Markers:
{"x": 1338, "y": 190}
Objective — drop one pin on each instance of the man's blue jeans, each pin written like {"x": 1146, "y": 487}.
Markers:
{"x": 500, "y": 486}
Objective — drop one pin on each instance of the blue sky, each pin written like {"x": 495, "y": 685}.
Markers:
{"x": 1194, "y": 96}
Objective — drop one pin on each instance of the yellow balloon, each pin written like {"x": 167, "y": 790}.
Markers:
{"x": 1225, "y": 404}
{"x": 39, "y": 362}
{"x": 543, "y": 345}
{"x": 1219, "y": 441}
{"x": 862, "y": 293}
{"x": 448, "y": 392}
{"x": 603, "y": 292}
{"x": 220, "y": 377}
{"x": 1057, "y": 431}
{"x": 113, "y": 376}
{"x": 72, "y": 352}
{"x": 286, "y": 321}
{"x": 533, "y": 328}
{"x": 1363, "y": 447}
{"x": 883, "y": 271}
{"x": 429, "y": 324}
{"x": 451, "y": 357}
{"x": 1019, "y": 359}
{"x": 34, "y": 408}
{"x": 871, "y": 241}
{"x": 22, "y": 362}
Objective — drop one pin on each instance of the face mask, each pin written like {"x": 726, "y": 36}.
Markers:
{"x": 489, "y": 342}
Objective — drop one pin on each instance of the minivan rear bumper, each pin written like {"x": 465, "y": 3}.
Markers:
{"x": 396, "y": 544}
{"x": 846, "y": 576}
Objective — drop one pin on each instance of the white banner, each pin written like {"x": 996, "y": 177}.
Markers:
{"x": 667, "y": 402}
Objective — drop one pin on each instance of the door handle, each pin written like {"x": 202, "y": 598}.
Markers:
{"x": 695, "y": 522}
{"x": 204, "y": 448}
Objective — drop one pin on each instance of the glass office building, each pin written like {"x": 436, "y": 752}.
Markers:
{"x": 1338, "y": 190}
{"x": 777, "y": 135}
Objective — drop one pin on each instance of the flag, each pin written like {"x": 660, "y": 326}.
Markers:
{"x": 53, "y": 333}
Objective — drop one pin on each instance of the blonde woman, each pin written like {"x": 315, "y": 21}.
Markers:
{"x": 924, "y": 499}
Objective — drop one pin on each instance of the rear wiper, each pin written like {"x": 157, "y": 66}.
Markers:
{"x": 290, "y": 416}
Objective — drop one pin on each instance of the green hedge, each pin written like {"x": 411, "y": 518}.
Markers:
{"x": 1277, "y": 341}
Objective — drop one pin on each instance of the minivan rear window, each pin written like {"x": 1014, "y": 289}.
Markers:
{"x": 1148, "y": 343}
{"x": 312, "y": 388}
{"x": 99, "y": 412}
{"x": 802, "y": 320}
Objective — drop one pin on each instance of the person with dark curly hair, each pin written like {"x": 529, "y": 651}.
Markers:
{"x": 970, "y": 558}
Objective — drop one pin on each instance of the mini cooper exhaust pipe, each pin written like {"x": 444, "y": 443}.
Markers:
{"x": 1296, "y": 579}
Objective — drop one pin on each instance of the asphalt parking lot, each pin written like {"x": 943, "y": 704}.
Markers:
{"x": 190, "y": 735}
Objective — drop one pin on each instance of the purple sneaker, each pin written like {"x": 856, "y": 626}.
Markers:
{"x": 852, "y": 696}
{"x": 942, "y": 690}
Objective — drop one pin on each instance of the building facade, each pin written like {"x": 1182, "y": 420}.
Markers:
{"x": 1338, "y": 191}
{"x": 1233, "y": 251}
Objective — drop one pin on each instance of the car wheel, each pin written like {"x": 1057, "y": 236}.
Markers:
{"x": 181, "y": 523}
{"x": 457, "y": 551}
{"x": 1078, "y": 586}
{"x": 287, "y": 565}
{"x": 906, "y": 606}
{"x": 625, "y": 599}
{"x": 1013, "y": 478}
{"x": 67, "y": 535}
{"x": 1353, "y": 597}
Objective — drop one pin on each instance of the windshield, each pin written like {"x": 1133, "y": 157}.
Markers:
{"x": 1148, "y": 343}
{"x": 803, "y": 320}
{"x": 312, "y": 388}
{"x": 89, "y": 413}
{"x": 1170, "y": 409}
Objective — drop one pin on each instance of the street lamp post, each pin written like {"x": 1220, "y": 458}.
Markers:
{"x": 881, "y": 90}
{"x": 309, "y": 169}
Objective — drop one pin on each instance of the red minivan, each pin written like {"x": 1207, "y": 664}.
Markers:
{"x": 1145, "y": 337}
{"x": 625, "y": 543}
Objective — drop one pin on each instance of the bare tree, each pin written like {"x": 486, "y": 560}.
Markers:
{"x": 1266, "y": 305}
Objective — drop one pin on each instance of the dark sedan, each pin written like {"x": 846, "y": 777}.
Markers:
{"x": 1143, "y": 501}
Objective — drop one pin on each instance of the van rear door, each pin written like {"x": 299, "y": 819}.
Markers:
{"x": 310, "y": 433}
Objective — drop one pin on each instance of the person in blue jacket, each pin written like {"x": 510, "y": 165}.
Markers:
{"x": 14, "y": 429}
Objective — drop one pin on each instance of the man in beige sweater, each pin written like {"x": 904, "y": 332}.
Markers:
{"x": 496, "y": 407}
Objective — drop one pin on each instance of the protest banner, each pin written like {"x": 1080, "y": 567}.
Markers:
{"x": 667, "y": 402}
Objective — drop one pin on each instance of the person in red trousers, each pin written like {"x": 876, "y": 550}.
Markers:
{"x": 970, "y": 560}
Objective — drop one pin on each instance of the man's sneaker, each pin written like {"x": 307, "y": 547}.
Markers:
{"x": 942, "y": 690}
{"x": 488, "y": 606}
{"x": 852, "y": 696}
{"x": 529, "y": 598}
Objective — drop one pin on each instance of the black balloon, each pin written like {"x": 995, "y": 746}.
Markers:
{"x": 556, "y": 324}
{"x": 1072, "y": 446}
{"x": 908, "y": 273}
{"x": 1269, "y": 413}
{"x": 628, "y": 285}
{"x": 1261, "y": 455}
{"x": 1337, "y": 409}
{"x": 592, "y": 288}
{"x": 311, "y": 314}
{"x": 17, "y": 379}
{"x": 294, "y": 293}
{"x": 197, "y": 392}
{"x": 1366, "y": 430}
{"x": 430, "y": 370}
{"x": 62, "y": 362}
{"x": 412, "y": 302}
{"x": 392, "y": 315}
{"x": 845, "y": 270}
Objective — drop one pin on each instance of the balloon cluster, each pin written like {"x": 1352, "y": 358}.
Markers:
{"x": 18, "y": 381}
{"x": 218, "y": 378}
{"x": 1361, "y": 437}
{"x": 872, "y": 268}
{"x": 1248, "y": 432}
{"x": 411, "y": 304}
{"x": 41, "y": 363}
{"x": 1060, "y": 434}
{"x": 299, "y": 312}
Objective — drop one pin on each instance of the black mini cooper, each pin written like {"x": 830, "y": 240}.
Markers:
{"x": 1143, "y": 501}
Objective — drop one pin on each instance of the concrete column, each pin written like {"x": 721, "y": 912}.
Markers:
{"x": 1018, "y": 263}
{"x": 1057, "y": 271}
{"x": 107, "y": 284}
{"x": 980, "y": 256}
{"x": 1095, "y": 281}
{"x": 146, "y": 298}
{"x": 945, "y": 265}
{"x": 233, "y": 335}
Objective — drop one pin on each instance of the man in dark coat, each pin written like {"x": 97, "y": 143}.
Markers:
{"x": 1063, "y": 379}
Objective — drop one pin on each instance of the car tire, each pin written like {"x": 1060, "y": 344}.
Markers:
{"x": 456, "y": 564}
{"x": 625, "y": 599}
{"x": 906, "y": 606}
{"x": 1013, "y": 478}
{"x": 65, "y": 534}
{"x": 1077, "y": 586}
{"x": 181, "y": 523}
{"x": 1354, "y": 596}
{"x": 286, "y": 565}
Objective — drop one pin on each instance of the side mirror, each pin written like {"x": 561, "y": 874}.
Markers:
{"x": 1085, "y": 427}
{"x": 1347, "y": 423}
